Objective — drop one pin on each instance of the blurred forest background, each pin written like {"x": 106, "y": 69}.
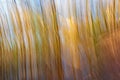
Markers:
{"x": 59, "y": 39}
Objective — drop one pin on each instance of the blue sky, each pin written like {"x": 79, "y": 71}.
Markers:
{"x": 63, "y": 5}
